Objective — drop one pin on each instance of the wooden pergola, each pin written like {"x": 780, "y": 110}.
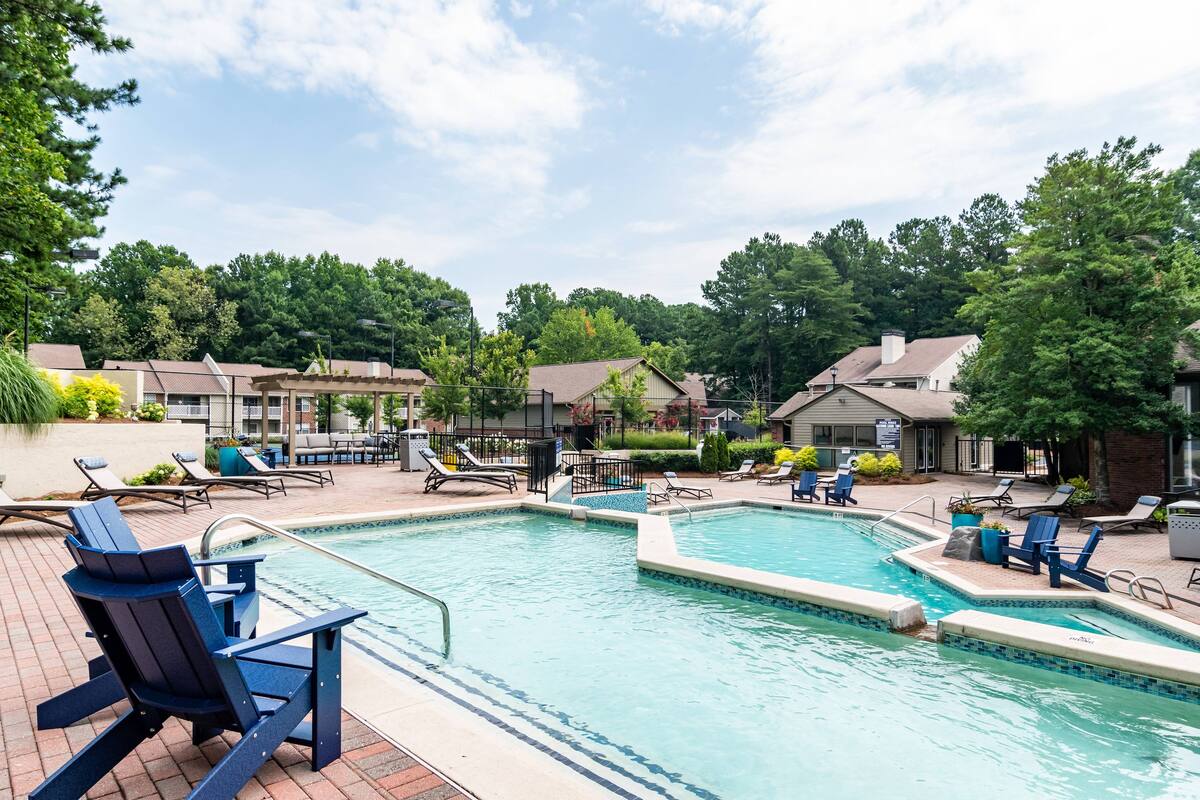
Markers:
{"x": 295, "y": 383}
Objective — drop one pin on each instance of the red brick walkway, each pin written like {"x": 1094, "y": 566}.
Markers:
{"x": 43, "y": 651}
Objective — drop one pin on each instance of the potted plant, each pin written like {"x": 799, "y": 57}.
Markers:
{"x": 964, "y": 513}
{"x": 989, "y": 539}
{"x": 228, "y": 459}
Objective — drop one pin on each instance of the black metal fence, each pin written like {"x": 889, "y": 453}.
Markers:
{"x": 1013, "y": 457}
{"x": 613, "y": 422}
{"x": 543, "y": 464}
{"x": 595, "y": 474}
{"x": 485, "y": 447}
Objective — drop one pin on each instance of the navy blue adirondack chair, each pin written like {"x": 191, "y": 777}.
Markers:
{"x": 101, "y": 525}
{"x": 160, "y": 632}
{"x": 806, "y": 487}
{"x": 839, "y": 493}
{"x": 1041, "y": 533}
{"x": 1076, "y": 570}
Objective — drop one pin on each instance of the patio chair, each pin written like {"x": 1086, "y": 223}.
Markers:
{"x": 101, "y": 526}
{"x": 1141, "y": 514}
{"x": 1076, "y": 570}
{"x": 741, "y": 472}
{"x": 676, "y": 488}
{"x": 778, "y": 476}
{"x": 470, "y": 462}
{"x": 440, "y": 474}
{"x": 1041, "y": 532}
{"x": 171, "y": 658}
{"x": 317, "y": 475}
{"x": 102, "y": 482}
{"x": 27, "y": 509}
{"x": 1000, "y": 495}
{"x": 844, "y": 468}
{"x": 1057, "y": 501}
{"x": 805, "y": 488}
{"x": 195, "y": 473}
{"x": 839, "y": 494}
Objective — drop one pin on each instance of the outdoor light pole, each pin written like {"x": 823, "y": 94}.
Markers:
{"x": 833, "y": 371}
{"x": 370, "y": 323}
{"x": 329, "y": 365}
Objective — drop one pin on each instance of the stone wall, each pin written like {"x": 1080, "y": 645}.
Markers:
{"x": 34, "y": 465}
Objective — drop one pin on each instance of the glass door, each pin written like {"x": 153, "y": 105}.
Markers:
{"x": 929, "y": 449}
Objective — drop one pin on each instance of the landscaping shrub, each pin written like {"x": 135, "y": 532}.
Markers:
{"x": 27, "y": 398}
{"x": 783, "y": 454}
{"x": 212, "y": 458}
{"x": 1083, "y": 495}
{"x": 868, "y": 465}
{"x": 661, "y": 461}
{"x": 761, "y": 452}
{"x": 708, "y": 454}
{"x": 722, "y": 452}
{"x": 151, "y": 412}
{"x": 890, "y": 466}
{"x": 806, "y": 458}
{"x": 637, "y": 440}
{"x": 82, "y": 391}
{"x": 152, "y": 477}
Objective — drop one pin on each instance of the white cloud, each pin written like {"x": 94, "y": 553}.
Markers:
{"x": 456, "y": 77}
{"x": 654, "y": 227}
{"x": 368, "y": 140}
{"x": 520, "y": 10}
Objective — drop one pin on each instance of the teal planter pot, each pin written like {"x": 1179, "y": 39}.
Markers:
{"x": 989, "y": 542}
{"x": 231, "y": 463}
{"x": 965, "y": 520}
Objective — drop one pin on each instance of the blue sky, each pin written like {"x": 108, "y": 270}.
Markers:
{"x": 622, "y": 143}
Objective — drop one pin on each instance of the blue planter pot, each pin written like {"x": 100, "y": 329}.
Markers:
{"x": 231, "y": 463}
{"x": 989, "y": 542}
{"x": 965, "y": 520}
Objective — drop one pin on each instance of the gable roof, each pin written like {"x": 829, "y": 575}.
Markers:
{"x": 918, "y": 405}
{"x": 1191, "y": 361}
{"x": 56, "y": 356}
{"x": 570, "y": 382}
{"x": 921, "y": 357}
{"x": 694, "y": 387}
{"x": 173, "y": 377}
{"x": 362, "y": 369}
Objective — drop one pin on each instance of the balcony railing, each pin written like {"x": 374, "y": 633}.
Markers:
{"x": 255, "y": 412}
{"x": 180, "y": 411}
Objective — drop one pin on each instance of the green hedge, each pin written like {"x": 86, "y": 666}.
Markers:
{"x": 761, "y": 452}
{"x": 663, "y": 461}
{"x": 637, "y": 440}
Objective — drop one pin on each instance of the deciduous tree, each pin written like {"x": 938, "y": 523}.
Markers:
{"x": 572, "y": 334}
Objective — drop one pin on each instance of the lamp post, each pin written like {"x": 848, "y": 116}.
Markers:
{"x": 370, "y": 323}
{"x": 833, "y": 372}
{"x": 329, "y": 364}
{"x": 49, "y": 291}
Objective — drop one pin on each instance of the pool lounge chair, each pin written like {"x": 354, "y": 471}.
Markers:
{"x": 806, "y": 487}
{"x": 100, "y": 525}
{"x": 1000, "y": 495}
{"x": 1140, "y": 515}
{"x": 195, "y": 473}
{"x": 27, "y": 509}
{"x": 677, "y": 488}
{"x": 473, "y": 463}
{"x": 784, "y": 473}
{"x": 102, "y": 482}
{"x": 1041, "y": 532}
{"x": 1076, "y": 570}
{"x": 829, "y": 480}
{"x": 741, "y": 472}
{"x": 317, "y": 475}
{"x": 440, "y": 474}
{"x": 1055, "y": 502}
{"x": 839, "y": 494}
{"x": 171, "y": 658}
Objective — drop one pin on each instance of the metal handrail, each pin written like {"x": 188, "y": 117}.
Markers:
{"x": 1112, "y": 573}
{"x": 1138, "y": 583}
{"x": 205, "y": 551}
{"x": 890, "y": 514}
{"x": 671, "y": 497}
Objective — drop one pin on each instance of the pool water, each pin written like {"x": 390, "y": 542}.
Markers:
{"x": 845, "y": 552}
{"x": 695, "y": 694}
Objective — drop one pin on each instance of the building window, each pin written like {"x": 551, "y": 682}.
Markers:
{"x": 822, "y": 435}
{"x": 1185, "y": 450}
{"x": 864, "y": 435}
{"x": 843, "y": 436}
{"x": 302, "y": 404}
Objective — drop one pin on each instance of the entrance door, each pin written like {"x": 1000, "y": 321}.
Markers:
{"x": 929, "y": 448}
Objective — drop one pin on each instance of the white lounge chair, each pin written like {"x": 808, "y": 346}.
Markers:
{"x": 675, "y": 487}
{"x": 104, "y": 483}
{"x": 441, "y": 474}
{"x": 784, "y": 473}
{"x": 195, "y": 473}
{"x": 1141, "y": 514}
{"x": 258, "y": 467}
{"x": 474, "y": 463}
{"x": 741, "y": 472}
{"x": 1054, "y": 503}
{"x": 27, "y": 509}
{"x": 829, "y": 481}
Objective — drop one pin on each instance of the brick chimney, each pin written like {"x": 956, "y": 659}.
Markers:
{"x": 893, "y": 346}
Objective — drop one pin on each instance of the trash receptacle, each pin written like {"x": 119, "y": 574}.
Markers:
{"x": 411, "y": 441}
{"x": 1183, "y": 529}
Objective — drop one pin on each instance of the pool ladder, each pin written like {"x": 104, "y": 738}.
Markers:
{"x": 266, "y": 527}
{"x": 913, "y": 502}
{"x": 669, "y": 496}
{"x": 1136, "y": 589}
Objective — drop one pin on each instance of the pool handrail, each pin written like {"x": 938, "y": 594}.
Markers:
{"x": 266, "y": 527}
{"x": 669, "y": 496}
{"x": 890, "y": 514}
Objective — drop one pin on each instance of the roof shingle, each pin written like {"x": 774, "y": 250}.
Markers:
{"x": 56, "y": 356}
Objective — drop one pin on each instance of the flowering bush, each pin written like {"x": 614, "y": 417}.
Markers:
{"x": 890, "y": 466}
{"x": 96, "y": 395}
{"x": 155, "y": 476}
{"x": 582, "y": 414}
{"x": 151, "y": 412}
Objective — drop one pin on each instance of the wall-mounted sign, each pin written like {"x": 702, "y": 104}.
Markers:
{"x": 887, "y": 434}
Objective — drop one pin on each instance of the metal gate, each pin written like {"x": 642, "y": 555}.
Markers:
{"x": 1012, "y": 457}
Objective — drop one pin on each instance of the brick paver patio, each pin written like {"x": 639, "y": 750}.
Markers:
{"x": 43, "y": 651}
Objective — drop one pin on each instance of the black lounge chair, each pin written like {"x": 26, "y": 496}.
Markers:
{"x": 196, "y": 474}
{"x": 1000, "y": 495}
{"x": 1141, "y": 514}
{"x": 1054, "y": 503}
{"x": 27, "y": 509}
{"x": 102, "y": 482}
{"x": 677, "y": 488}
{"x": 317, "y": 475}
{"x": 440, "y": 474}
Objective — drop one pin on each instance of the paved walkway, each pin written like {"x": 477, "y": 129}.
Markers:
{"x": 43, "y": 651}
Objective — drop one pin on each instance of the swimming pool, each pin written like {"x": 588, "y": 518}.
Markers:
{"x": 696, "y": 694}
{"x": 844, "y": 551}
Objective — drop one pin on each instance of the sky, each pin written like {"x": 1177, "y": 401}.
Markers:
{"x": 630, "y": 144}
